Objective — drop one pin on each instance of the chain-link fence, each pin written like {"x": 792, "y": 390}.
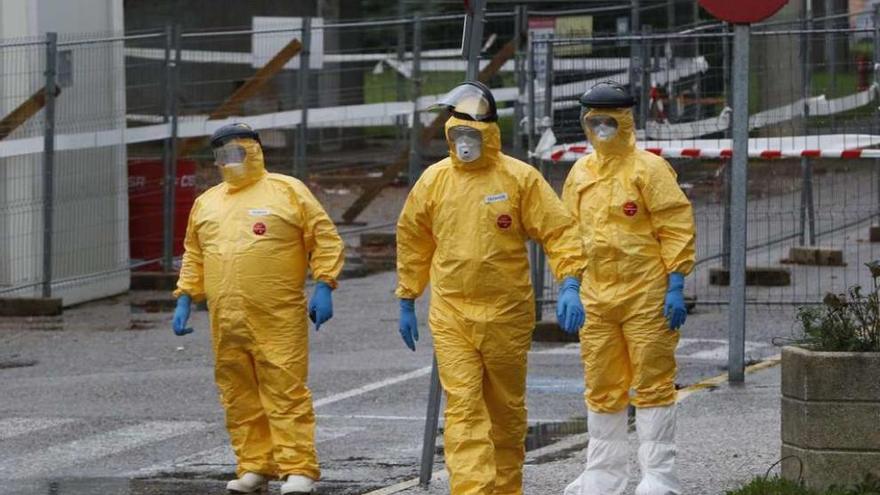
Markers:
{"x": 341, "y": 105}
{"x": 813, "y": 119}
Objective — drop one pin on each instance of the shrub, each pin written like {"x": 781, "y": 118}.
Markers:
{"x": 845, "y": 322}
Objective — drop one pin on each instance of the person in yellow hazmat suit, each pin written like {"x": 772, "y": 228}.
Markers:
{"x": 249, "y": 243}
{"x": 464, "y": 228}
{"x": 638, "y": 234}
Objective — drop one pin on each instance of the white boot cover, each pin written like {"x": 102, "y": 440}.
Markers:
{"x": 607, "y": 469}
{"x": 248, "y": 483}
{"x": 656, "y": 427}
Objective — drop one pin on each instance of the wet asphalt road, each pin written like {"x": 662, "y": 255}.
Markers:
{"x": 107, "y": 400}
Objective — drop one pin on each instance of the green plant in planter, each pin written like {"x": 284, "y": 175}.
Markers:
{"x": 845, "y": 322}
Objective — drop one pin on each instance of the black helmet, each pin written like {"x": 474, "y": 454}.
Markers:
{"x": 236, "y": 130}
{"x": 607, "y": 94}
{"x": 471, "y": 100}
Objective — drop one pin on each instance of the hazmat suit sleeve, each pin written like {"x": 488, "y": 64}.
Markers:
{"x": 322, "y": 242}
{"x": 671, "y": 217}
{"x": 547, "y": 221}
{"x": 569, "y": 192}
{"x": 192, "y": 273}
{"x": 415, "y": 244}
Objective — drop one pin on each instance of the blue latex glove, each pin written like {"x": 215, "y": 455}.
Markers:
{"x": 181, "y": 316}
{"x": 569, "y": 310}
{"x": 409, "y": 326}
{"x": 674, "y": 309}
{"x": 321, "y": 305}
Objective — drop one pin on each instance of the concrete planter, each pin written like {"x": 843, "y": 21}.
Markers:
{"x": 830, "y": 416}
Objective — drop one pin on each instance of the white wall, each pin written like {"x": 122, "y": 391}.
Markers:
{"x": 91, "y": 211}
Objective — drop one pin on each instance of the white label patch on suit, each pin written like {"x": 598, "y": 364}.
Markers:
{"x": 259, "y": 212}
{"x": 495, "y": 198}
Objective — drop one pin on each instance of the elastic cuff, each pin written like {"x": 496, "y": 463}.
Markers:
{"x": 408, "y": 304}
{"x": 328, "y": 281}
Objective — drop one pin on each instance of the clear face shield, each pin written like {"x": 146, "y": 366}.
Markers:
{"x": 603, "y": 127}
{"x": 230, "y": 157}
{"x": 469, "y": 101}
{"x": 467, "y": 141}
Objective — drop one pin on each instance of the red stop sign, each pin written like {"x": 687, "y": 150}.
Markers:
{"x": 742, "y": 11}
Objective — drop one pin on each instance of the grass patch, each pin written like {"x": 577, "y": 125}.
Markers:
{"x": 779, "y": 486}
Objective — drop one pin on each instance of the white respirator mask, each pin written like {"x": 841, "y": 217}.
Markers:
{"x": 468, "y": 143}
{"x": 603, "y": 127}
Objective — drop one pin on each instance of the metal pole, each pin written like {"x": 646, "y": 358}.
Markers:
{"x": 725, "y": 177}
{"x": 415, "y": 130}
{"x": 669, "y": 52}
{"x": 168, "y": 182}
{"x": 473, "y": 25}
{"x": 171, "y": 167}
{"x": 635, "y": 49}
{"x": 807, "y": 213}
{"x": 49, "y": 160}
{"x": 877, "y": 81}
{"x": 520, "y": 31}
{"x": 532, "y": 141}
{"x": 300, "y": 168}
{"x": 547, "y": 123}
{"x": 830, "y": 53}
{"x": 698, "y": 91}
{"x": 432, "y": 417}
{"x": 646, "y": 77}
{"x": 401, "y": 54}
{"x": 739, "y": 204}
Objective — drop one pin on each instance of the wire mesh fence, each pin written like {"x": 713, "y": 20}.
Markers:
{"x": 813, "y": 117}
{"x": 129, "y": 154}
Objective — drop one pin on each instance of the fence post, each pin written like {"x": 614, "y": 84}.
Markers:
{"x": 432, "y": 416}
{"x": 635, "y": 49}
{"x": 877, "y": 82}
{"x": 645, "y": 88}
{"x": 534, "y": 249}
{"x": 415, "y": 158}
{"x": 739, "y": 204}
{"x": 520, "y": 29}
{"x": 546, "y": 123}
{"x": 830, "y": 55}
{"x": 167, "y": 144}
{"x": 725, "y": 177}
{"x": 300, "y": 168}
{"x": 171, "y": 169}
{"x": 807, "y": 213}
{"x": 49, "y": 160}
{"x": 698, "y": 91}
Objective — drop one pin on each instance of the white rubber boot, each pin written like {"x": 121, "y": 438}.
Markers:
{"x": 298, "y": 485}
{"x": 248, "y": 483}
{"x": 656, "y": 427}
{"x": 607, "y": 469}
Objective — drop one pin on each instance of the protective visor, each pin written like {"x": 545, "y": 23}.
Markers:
{"x": 471, "y": 102}
{"x": 229, "y": 153}
{"x": 596, "y": 121}
{"x": 465, "y": 132}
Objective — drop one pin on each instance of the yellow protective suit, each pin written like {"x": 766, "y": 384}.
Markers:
{"x": 637, "y": 227}
{"x": 464, "y": 227}
{"x": 248, "y": 244}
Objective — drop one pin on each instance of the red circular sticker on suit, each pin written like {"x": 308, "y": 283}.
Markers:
{"x": 259, "y": 228}
{"x": 504, "y": 221}
{"x": 630, "y": 208}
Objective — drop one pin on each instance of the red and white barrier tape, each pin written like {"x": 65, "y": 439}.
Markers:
{"x": 572, "y": 153}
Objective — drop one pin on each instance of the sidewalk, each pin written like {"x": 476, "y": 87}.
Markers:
{"x": 726, "y": 436}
